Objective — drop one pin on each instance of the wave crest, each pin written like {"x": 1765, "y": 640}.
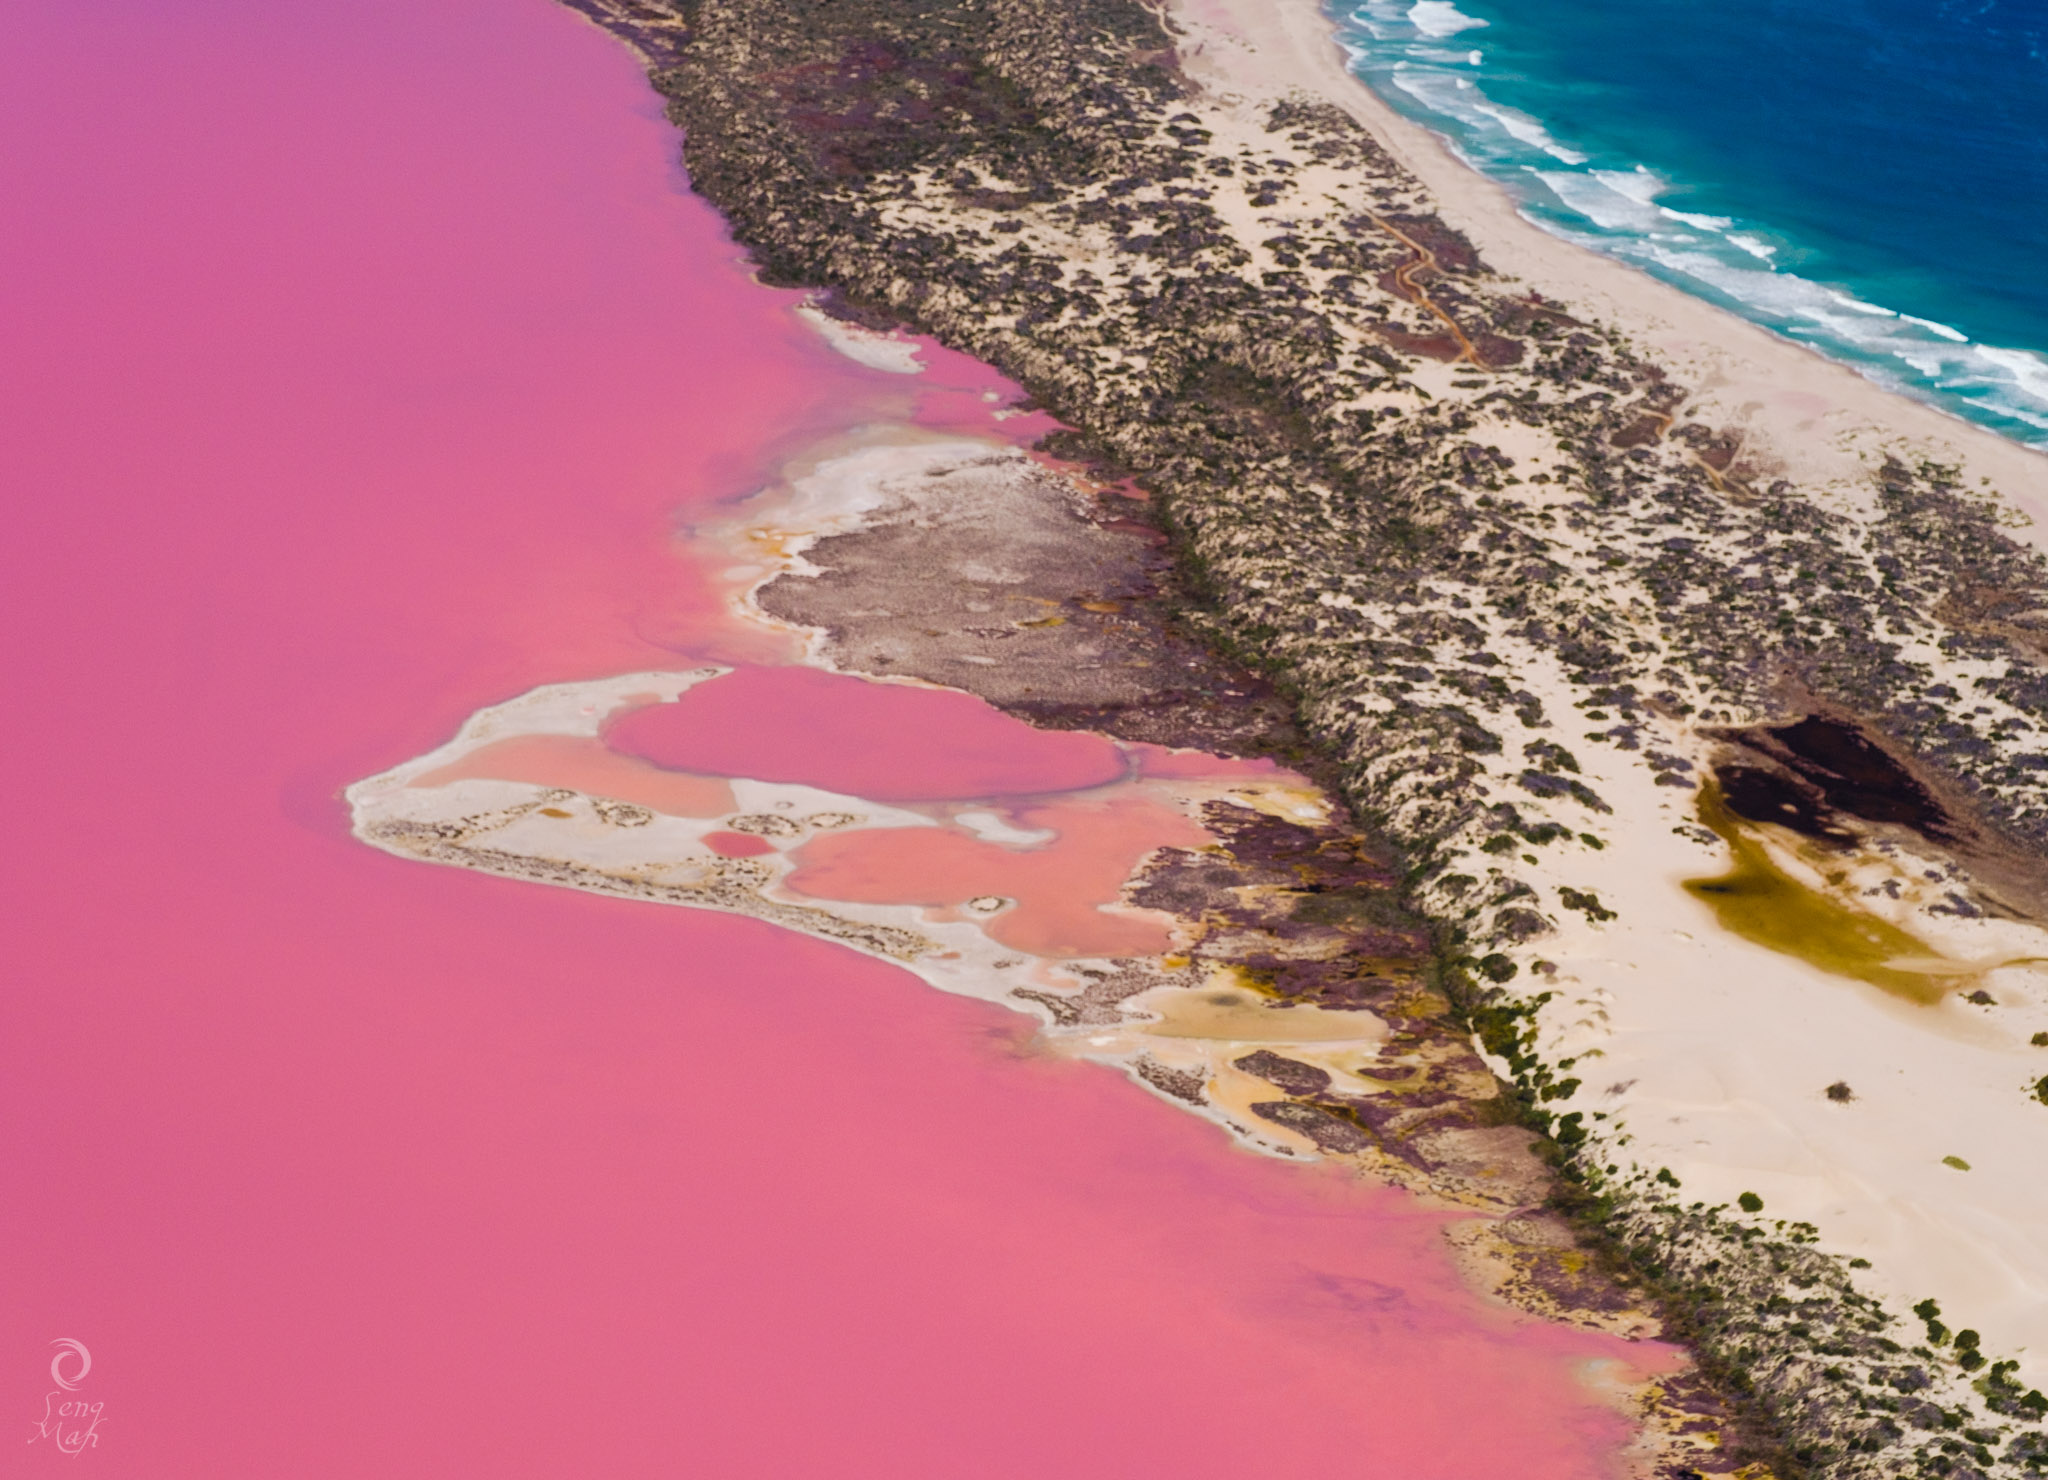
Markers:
{"x": 1612, "y": 205}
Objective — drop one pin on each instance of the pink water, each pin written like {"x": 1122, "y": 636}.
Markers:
{"x": 886, "y": 741}
{"x": 585, "y": 763}
{"x": 359, "y": 359}
{"x": 1059, "y": 887}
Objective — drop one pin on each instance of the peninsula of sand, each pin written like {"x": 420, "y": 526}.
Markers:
{"x": 1658, "y": 866}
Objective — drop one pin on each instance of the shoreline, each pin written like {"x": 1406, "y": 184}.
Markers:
{"x": 1790, "y": 394}
{"x": 1558, "y": 566}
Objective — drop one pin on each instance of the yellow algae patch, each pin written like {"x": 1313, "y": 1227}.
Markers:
{"x": 1233, "y": 1014}
{"x": 1296, "y": 802}
{"x": 1762, "y": 903}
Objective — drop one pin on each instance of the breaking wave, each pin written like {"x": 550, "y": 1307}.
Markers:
{"x": 1420, "y": 57}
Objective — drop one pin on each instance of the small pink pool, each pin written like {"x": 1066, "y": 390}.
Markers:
{"x": 888, "y": 742}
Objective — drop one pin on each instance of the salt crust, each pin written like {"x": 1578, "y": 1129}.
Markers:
{"x": 558, "y": 836}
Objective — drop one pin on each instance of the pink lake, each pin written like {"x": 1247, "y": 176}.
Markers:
{"x": 361, "y": 359}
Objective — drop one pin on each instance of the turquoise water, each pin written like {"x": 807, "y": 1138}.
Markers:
{"x": 1868, "y": 177}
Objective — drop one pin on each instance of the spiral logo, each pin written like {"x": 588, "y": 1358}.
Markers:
{"x": 69, "y": 1351}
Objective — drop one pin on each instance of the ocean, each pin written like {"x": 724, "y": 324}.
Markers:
{"x": 1867, "y": 177}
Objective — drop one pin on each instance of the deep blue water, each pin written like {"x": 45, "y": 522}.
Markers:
{"x": 1867, "y": 176}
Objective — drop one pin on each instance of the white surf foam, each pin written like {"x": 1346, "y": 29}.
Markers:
{"x": 1615, "y": 207}
{"x": 1439, "y": 18}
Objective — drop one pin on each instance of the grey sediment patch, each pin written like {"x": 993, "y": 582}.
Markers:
{"x": 1471, "y": 536}
{"x": 994, "y": 574}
